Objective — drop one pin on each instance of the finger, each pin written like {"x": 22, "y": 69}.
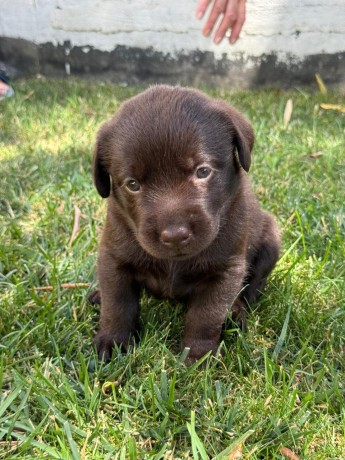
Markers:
{"x": 229, "y": 19}
{"x": 237, "y": 27}
{"x": 217, "y": 10}
{"x": 201, "y": 8}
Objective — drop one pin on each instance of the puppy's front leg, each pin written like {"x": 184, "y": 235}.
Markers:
{"x": 119, "y": 306}
{"x": 208, "y": 309}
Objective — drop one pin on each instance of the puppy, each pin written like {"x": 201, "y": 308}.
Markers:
{"x": 182, "y": 221}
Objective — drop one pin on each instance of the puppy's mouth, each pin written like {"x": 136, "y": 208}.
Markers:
{"x": 166, "y": 254}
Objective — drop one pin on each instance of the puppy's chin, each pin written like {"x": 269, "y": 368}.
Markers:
{"x": 159, "y": 251}
{"x": 175, "y": 256}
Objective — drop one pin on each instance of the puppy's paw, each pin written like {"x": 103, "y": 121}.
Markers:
{"x": 95, "y": 297}
{"x": 105, "y": 342}
{"x": 199, "y": 348}
{"x": 239, "y": 314}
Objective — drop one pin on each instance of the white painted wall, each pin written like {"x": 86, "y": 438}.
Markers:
{"x": 296, "y": 27}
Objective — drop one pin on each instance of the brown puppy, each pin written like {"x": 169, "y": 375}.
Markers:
{"x": 182, "y": 219}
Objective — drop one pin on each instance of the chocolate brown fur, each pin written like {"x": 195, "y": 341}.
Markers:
{"x": 193, "y": 231}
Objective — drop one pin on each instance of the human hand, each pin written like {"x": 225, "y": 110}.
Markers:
{"x": 232, "y": 12}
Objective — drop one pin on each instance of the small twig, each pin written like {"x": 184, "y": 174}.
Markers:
{"x": 12, "y": 444}
{"x": 83, "y": 451}
{"x": 63, "y": 285}
{"x": 77, "y": 215}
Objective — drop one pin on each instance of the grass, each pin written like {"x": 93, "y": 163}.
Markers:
{"x": 281, "y": 385}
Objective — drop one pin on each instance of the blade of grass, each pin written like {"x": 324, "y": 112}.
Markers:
{"x": 282, "y": 336}
{"x": 197, "y": 446}
{"x": 71, "y": 442}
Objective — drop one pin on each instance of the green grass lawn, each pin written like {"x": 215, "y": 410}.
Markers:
{"x": 280, "y": 385}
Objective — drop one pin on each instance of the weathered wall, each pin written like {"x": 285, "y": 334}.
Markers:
{"x": 284, "y": 42}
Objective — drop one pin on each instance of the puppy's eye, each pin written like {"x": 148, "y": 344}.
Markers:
{"x": 133, "y": 185}
{"x": 203, "y": 172}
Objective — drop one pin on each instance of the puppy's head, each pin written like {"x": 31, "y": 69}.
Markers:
{"x": 172, "y": 158}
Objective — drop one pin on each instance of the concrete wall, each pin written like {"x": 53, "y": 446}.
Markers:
{"x": 284, "y": 42}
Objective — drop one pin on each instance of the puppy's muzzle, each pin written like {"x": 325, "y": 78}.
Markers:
{"x": 175, "y": 236}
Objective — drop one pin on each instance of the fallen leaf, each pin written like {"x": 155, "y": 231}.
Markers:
{"x": 108, "y": 386}
{"x": 320, "y": 83}
{"x": 236, "y": 454}
{"x": 288, "y": 112}
{"x": 287, "y": 453}
{"x": 268, "y": 400}
{"x": 339, "y": 108}
{"x": 88, "y": 111}
{"x": 28, "y": 95}
{"x": 316, "y": 155}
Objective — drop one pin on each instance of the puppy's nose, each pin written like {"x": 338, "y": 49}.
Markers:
{"x": 175, "y": 235}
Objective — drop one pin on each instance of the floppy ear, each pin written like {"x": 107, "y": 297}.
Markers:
{"x": 100, "y": 159}
{"x": 243, "y": 134}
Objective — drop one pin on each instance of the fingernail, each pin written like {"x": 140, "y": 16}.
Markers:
{"x": 207, "y": 32}
{"x": 217, "y": 40}
{"x": 199, "y": 14}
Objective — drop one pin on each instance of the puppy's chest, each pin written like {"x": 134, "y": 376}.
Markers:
{"x": 168, "y": 280}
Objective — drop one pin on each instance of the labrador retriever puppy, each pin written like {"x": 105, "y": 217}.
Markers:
{"x": 182, "y": 220}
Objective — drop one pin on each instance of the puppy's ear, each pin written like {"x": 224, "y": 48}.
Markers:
{"x": 101, "y": 176}
{"x": 243, "y": 134}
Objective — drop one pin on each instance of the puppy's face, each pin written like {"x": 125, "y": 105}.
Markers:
{"x": 171, "y": 159}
